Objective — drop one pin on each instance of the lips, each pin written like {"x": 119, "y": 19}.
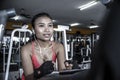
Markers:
{"x": 46, "y": 35}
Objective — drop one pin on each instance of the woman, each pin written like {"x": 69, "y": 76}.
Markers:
{"x": 40, "y": 53}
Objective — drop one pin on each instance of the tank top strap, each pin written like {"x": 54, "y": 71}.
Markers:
{"x": 33, "y": 47}
{"x": 54, "y": 56}
{"x": 34, "y": 58}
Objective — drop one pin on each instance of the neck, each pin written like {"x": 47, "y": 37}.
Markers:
{"x": 43, "y": 44}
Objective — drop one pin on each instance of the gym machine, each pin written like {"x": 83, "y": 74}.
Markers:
{"x": 60, "y": 35}
{"x": 22, "y": 36}
{"x": 81, "y": 48}
{"x": 81, "y": 51}
{"x": 4, "y": 15}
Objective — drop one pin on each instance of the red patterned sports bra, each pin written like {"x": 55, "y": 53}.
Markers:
{"x": 34, "y": 59}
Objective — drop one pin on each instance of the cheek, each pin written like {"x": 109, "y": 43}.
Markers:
{"x": 38, "y": 31}
{"x": 51, "y": 30}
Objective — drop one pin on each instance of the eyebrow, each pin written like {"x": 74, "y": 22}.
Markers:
{"x": 40, "y": 23}
{"x": 48, "y": 23}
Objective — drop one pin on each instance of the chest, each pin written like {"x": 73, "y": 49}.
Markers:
{"x": 44, "y": 54}
{"x": 40, "y": 56}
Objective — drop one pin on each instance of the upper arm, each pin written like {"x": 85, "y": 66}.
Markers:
{"x": 26, "y": 61}
{"x": 61, "y": 57}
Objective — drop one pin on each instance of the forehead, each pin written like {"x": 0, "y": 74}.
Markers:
{"x": 43, "y": 19}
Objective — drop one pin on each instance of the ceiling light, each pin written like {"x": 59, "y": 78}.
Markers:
{"x": 54, "y": 21}
{"x": 88, "y": 5}
{"x": 74, "y": 24}
{"x": 18, "y": 17}
{"x": 93, "y": 26}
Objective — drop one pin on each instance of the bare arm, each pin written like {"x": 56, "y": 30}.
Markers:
{"x": 61, "y": 57}
{"x": 27, "y": 63}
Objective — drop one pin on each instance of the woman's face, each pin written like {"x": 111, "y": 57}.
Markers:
{"x": 43, "y": 28}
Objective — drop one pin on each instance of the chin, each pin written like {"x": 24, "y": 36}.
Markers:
{"x": 47, "y": 39}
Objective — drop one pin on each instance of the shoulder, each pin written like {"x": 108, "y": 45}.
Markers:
{"x": 57, "y": 46}
{"x": 28, "y": 45}
{"x": 26, "y": 48}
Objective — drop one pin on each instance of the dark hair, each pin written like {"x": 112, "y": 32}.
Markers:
{"x": 39, "y": 15}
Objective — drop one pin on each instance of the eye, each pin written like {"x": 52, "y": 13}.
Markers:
{"x": 50, "y": 25}
{"x": 41, "y": 25}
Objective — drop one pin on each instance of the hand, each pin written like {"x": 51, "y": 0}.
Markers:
{"x": 71, "y": 64}
{"x": 46, "y": 68}
{"x": 68, "y": 64}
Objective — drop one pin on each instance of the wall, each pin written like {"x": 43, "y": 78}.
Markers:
{"x": 10, "y": 24}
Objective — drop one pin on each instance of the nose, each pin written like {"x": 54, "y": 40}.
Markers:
{"x": 46, "y": 28}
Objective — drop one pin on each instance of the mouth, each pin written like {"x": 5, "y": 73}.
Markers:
{"x": 46, "y": 35}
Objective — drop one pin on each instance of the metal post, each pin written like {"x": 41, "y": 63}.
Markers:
{"x": 10, "y": 49}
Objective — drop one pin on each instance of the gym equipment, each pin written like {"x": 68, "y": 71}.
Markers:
{"x": 4, "y": 14}
{"x": 22, "y": 36}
